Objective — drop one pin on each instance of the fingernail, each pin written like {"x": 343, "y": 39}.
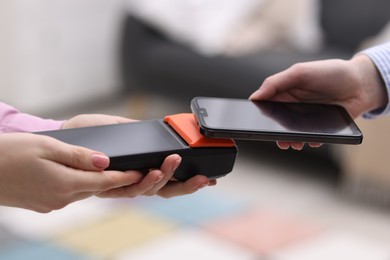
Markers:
{"x": 159, "y": 178}
{"x": 100, "y": 160}
{"x": 176, "y": 164}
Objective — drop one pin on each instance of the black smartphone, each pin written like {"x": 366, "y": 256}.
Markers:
{"x": 274, "y": 121}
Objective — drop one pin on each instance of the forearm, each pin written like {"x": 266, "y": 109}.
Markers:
{"x": 380, "y": 56}
{"x": 11, "y": 120}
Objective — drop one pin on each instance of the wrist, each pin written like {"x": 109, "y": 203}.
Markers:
{"x": 372, "y": 86}
{"x": 64, "y": 124}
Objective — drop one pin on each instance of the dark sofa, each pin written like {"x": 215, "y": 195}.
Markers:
{"x": 153, "y": 63}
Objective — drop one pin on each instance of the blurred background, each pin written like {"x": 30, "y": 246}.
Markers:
{"x": 146, "y": 59}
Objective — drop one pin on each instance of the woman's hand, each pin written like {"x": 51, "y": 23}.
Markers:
{"x": 86, "y": 120}
{"x": 160, "y": 182}
{"x": 43, "y": 174}
{"x": 156, "y": 182}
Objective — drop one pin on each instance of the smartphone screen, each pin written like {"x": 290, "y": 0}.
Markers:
{"x": 122, "y": 139}
{"x": 275, "y": 121}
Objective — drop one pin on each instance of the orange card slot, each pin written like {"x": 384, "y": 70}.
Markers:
{"x": 186, "y": 126}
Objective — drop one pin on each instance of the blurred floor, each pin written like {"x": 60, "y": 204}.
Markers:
{"x": 270, "y": 207}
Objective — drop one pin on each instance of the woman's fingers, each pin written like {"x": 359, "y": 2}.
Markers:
{"x": 176, "y": 188}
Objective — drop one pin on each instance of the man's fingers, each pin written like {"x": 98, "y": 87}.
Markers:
{"x": 283, "y": 145}
{"x": 297, "y": 146}
{"x": 315, "y": 145}
{"x": 294, "y": 145}
{"x": 279, "y": 83}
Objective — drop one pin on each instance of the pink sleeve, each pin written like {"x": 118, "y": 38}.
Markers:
{"x": 11, "y": 120}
